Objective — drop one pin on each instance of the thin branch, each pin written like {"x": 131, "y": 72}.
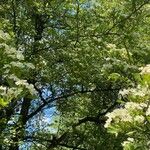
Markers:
{"x": 128, "y": 17}
{"x": 77, "y": 25}
{"x": 70, "y": 146}
{"x": 99, "y": 119}
{"x": 51, "y": 99}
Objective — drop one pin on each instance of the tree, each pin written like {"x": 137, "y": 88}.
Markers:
{"x": 133, "y": 119}
{"x": 71, "y": 59}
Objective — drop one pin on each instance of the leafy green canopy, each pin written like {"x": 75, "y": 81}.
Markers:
{"x": 73, "y": 58}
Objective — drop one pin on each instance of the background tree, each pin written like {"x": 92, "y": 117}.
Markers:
{"x": 74, "y": 58}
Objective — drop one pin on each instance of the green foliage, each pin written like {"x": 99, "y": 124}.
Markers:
{"x": 13, "y": 68}
{"x": 134, "y": 119}
{"x": 78, "y": 60}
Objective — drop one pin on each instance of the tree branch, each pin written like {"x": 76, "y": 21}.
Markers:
{"x": 51, "y": 99}
{"x": 99, "y": 119}
{"x": 128, "y": 17}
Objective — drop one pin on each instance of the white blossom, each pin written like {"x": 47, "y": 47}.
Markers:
{"x": 20, "y": 56}
{"x": 6, "y": 140}
{"x": 30, "y": 65}
{"x": 13, "y": 77}
{"x": 12, "y": 92}
{"x": 130, "y": 139}
{"x": 124, "y": 92}
{"x": 2, "y": 88}
{"x": 108, "y": 122}
{"x": 148, "y": 111}
{"x": 139, "y": 119}
{"x": 28, "y": 86}
{"x": 17, "y": 64}
{"x": 31, "y": 89}
{"x": 111, "y": 45}
{"x": 120, "y": 114}
{"x": 139, "y": 91}
{"x": 125, "y": 143}
{"x": 10, "y": 51}
{"x": 134, "y": 106}
{"x": 21, "y": 82}
{"x": 146, "y": 69}
{"x": 107, "y": 59}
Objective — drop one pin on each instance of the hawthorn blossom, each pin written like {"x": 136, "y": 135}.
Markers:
{"x": 139, "y": 119}
{"x": 111, "y": 45}
{"x": 134, "y": 106}
{"x": 20, "y": 55}
{"x": 21, "y": 82}
{"x": 129, "y": 141}
{"x": 145, "y": 70}
{"x": 118, "y": 115}
{"x": 17, "y": 64}
{"x": 148, "y": 111}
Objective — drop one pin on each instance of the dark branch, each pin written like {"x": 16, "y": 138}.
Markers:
{"x": 51, "y": 99}
{"x": 70, "y": 146}
{"x": 99, "y": 119}
{"x": 128, "y": 17}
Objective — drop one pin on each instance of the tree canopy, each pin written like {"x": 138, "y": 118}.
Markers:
{"x": 74, "y": 74}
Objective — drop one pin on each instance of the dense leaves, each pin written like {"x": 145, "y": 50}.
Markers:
{"x": 133, "y": 119}
{"x": 69, "y": 74}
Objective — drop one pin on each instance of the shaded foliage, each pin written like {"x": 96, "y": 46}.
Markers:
{"x": 70, "y": 59}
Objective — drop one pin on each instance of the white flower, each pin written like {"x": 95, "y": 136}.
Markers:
{"x": 125, "y": 143}
{"x": 14, "y": 92}
{"x": 2, "y": 88}
{"x": 17, "y": 64}
{"x": 6, "y": 140}
{"x": 44, "y": 62}
{"x": 139, "y": 91}
{"x": 148, "y": 111}
{"x": 118, "y": 115}
{"x": 10, "y": 51}
{"x": 28, "y": 86}
{"x": 130, "y": 139}
{"x": 145, "y": 70}
{"x": 21, "y": 82}
{"x": 134, "y": 106}
{"x": 124, "y": 92}
{"x": 31, "y": 89}
{"x": 107, "y": 58}
{"x": 139, "y": 119}
{"x": 13, "y": 77}
{"x": 111, "y": 46}
{"x": 30, "y": 65}
{"x": 20, "y": 56}
{"x": 108, "y": 122}
{"x": 126, "y": 118}
{"x": 143, "y": 105}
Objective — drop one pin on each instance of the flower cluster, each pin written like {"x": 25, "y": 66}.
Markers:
{"x": 127, "y": 114}
{"x": 148, "y": 111}
{"x": 139, "y": 91}
{"x": 133, "y": 117}
{"x": 30, "y": 87}
{"x": 145, "y": 70}
{"x": 129, "y": 142}
{"x": 118, "y": 115}
{"x": 13, "y": 68}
